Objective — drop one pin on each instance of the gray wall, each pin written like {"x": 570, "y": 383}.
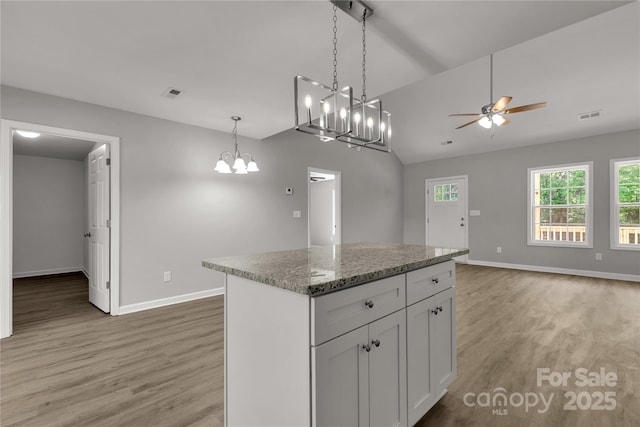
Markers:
{"x": 321, "y": 212}
{"x": 498, "y": 188}
{"x": 175, "y": 210}
{"x": 48, "y": 214}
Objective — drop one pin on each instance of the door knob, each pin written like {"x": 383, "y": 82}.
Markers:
{"x": 462, "y": 225}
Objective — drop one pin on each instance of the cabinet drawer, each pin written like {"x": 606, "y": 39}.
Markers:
{"x": 342, "y": 311}
{"x": 429, "y": 281}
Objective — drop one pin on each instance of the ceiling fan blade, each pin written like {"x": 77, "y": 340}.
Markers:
{"x": 501, "y": 104}
{"x": 506, "y": 121}
{"x": 525, "y": 108}
{"x": 464, "y": 114}
{"x": 470, "y": 123}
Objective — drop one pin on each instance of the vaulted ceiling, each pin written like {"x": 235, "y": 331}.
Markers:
{"x": 426, "y": 59}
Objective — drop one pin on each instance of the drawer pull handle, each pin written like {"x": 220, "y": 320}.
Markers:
{"x": 376, "y": 343}
{"x": 367, "y": 347}
{"x": 369, "y": 303}
{"x": 435, "y": 280}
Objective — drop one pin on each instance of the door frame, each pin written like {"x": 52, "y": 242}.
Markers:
{"x": 6, "y": 213}
{"x": 338, "y": 207}
{"x": 465, "y": 178}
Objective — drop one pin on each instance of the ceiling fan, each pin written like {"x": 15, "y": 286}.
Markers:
{"x": 495, "y": 113}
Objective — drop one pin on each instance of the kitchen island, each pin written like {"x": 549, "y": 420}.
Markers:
{"x": 357, "y": 334}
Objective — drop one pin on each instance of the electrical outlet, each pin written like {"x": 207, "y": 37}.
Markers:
{"x": 297, "y": 214}
{"x": 499, "y": 249}
{"x": 167, "y": 276}
{"x": 288, "y": 191}
{"x": 598, "y": 257}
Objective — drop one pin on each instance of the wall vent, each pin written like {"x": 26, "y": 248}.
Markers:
{"x": 172, "y": 93}
{"x": 589, "y": 115}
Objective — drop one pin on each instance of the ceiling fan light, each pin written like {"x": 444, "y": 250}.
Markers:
{"x": 485, "y": 122}
{"x": 498, "y": 119}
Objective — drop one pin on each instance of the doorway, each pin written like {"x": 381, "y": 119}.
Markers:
{"x": 446, "y": 213}
{"x": 324, "y": 214}
{"x": 7, "y": 131}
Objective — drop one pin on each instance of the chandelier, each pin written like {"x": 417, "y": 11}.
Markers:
{"x": 331, "y": 113}
{"x": 236, "y": 159}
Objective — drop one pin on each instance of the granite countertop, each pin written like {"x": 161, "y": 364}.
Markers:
{"x": 319, "y": 270}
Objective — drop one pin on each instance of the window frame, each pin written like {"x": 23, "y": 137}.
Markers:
{"x": 614, "y": 204}
{"x": 531, "y": 241}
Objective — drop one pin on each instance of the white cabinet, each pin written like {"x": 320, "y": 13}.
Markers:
{"x": 431, "y": 351}
{"x": 359, "y": 379}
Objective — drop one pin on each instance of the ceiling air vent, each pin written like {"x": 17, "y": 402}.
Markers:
{"x": 172, "y": 93}
{"x": 590, "y": 115}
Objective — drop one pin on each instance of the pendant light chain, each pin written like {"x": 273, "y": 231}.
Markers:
{"x": 234, "y": 134}
{"x": 364, "y": 57}
{"x": 335, "y": 48}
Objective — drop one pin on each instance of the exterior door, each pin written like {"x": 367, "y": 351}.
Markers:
{"x": 99, "y": 232}
{"x": 446, "y": 209}
{"x": 341, "y": 381}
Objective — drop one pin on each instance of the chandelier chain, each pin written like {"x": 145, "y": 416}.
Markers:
{"x": 364, "y": 56}
{"x": 335, "y": 48}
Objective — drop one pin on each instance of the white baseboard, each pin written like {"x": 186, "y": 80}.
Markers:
{"x": 148, "y": 305}
{"x": 587, "y": 273}
{"x": 46, "y": 272}
{"x": 85, "y": 271}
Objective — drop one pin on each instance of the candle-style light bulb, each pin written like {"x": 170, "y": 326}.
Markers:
{"x": 343, "y": 116}
{"x": 356, "y": 118}
{"x": 370, "y": 126}
{"x": 383, "y": 127}
{"x": 326, "y": 108}
{"x": 307, "y": 103}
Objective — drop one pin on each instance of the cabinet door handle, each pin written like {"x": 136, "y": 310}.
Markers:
{"x": 369, "y": 303}
{"x": 435, "y": 280}
{"x": 439, "y": 308}
{"x": 376, "y": 343}
{"x": 367, "y": 347}
{"x": 435, "y": 311}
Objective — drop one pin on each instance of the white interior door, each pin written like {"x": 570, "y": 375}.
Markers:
{"x": 446, "y": 209}
{"x": 324, "y": 219}
{"x": 99, "y": 233}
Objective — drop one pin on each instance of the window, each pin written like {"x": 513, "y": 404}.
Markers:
{"x": 445, "y": 193}
{"x": 560, "y": 206}
{"x": 625, "y": 204}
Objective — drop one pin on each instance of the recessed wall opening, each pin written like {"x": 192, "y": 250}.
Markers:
{"x": 324, "y": 223}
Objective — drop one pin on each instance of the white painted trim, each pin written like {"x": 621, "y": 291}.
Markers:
{"x": 6, "y": 212}
{"x": 163, "y": 302}
{"x": 85, "y": 272}
{"x": 613, "y": 206}
{"x": 557, "y": 270}
{"x": 588, "y": 244}
{"x": 338, "y": 206}
{"x": 48, "y": 272}
{"x": 462, "y": 258}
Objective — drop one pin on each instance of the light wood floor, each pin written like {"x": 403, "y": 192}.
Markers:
{"x": 68, "y": 364}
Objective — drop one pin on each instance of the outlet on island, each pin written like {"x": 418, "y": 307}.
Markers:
{"x": 167, "y": 276}
{"x": 499, "y": 249}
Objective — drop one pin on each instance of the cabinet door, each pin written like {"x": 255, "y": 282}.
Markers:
{"x": 444, "y": 339}
{"x": 388, "y": 371}
{"x": 340, "y": 381}
{"x": 421, "y": 383}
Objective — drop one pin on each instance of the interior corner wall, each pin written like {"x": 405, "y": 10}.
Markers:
{"x": 176, "y": 211}
{"x": 48, "y": 208}
{"x": 85, "y": 216}
{"x": 498, "y": 188}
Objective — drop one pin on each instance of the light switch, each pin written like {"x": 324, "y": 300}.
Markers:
{"x": 297, "y": 214}
{"x": 474, "y": 213}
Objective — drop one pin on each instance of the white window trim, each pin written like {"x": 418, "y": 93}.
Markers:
{"x": 588, "y": 211}
{"x": 613, "y": 204}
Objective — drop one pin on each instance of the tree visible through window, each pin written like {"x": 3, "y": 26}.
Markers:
{"x": 560, "y": 212}
{"x": 445, "y": 193}
{"x": 626, "y": 204}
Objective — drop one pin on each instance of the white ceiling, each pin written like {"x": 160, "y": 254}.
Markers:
{"x": 52, "y": 146}
{"x": 240, "y": 57}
